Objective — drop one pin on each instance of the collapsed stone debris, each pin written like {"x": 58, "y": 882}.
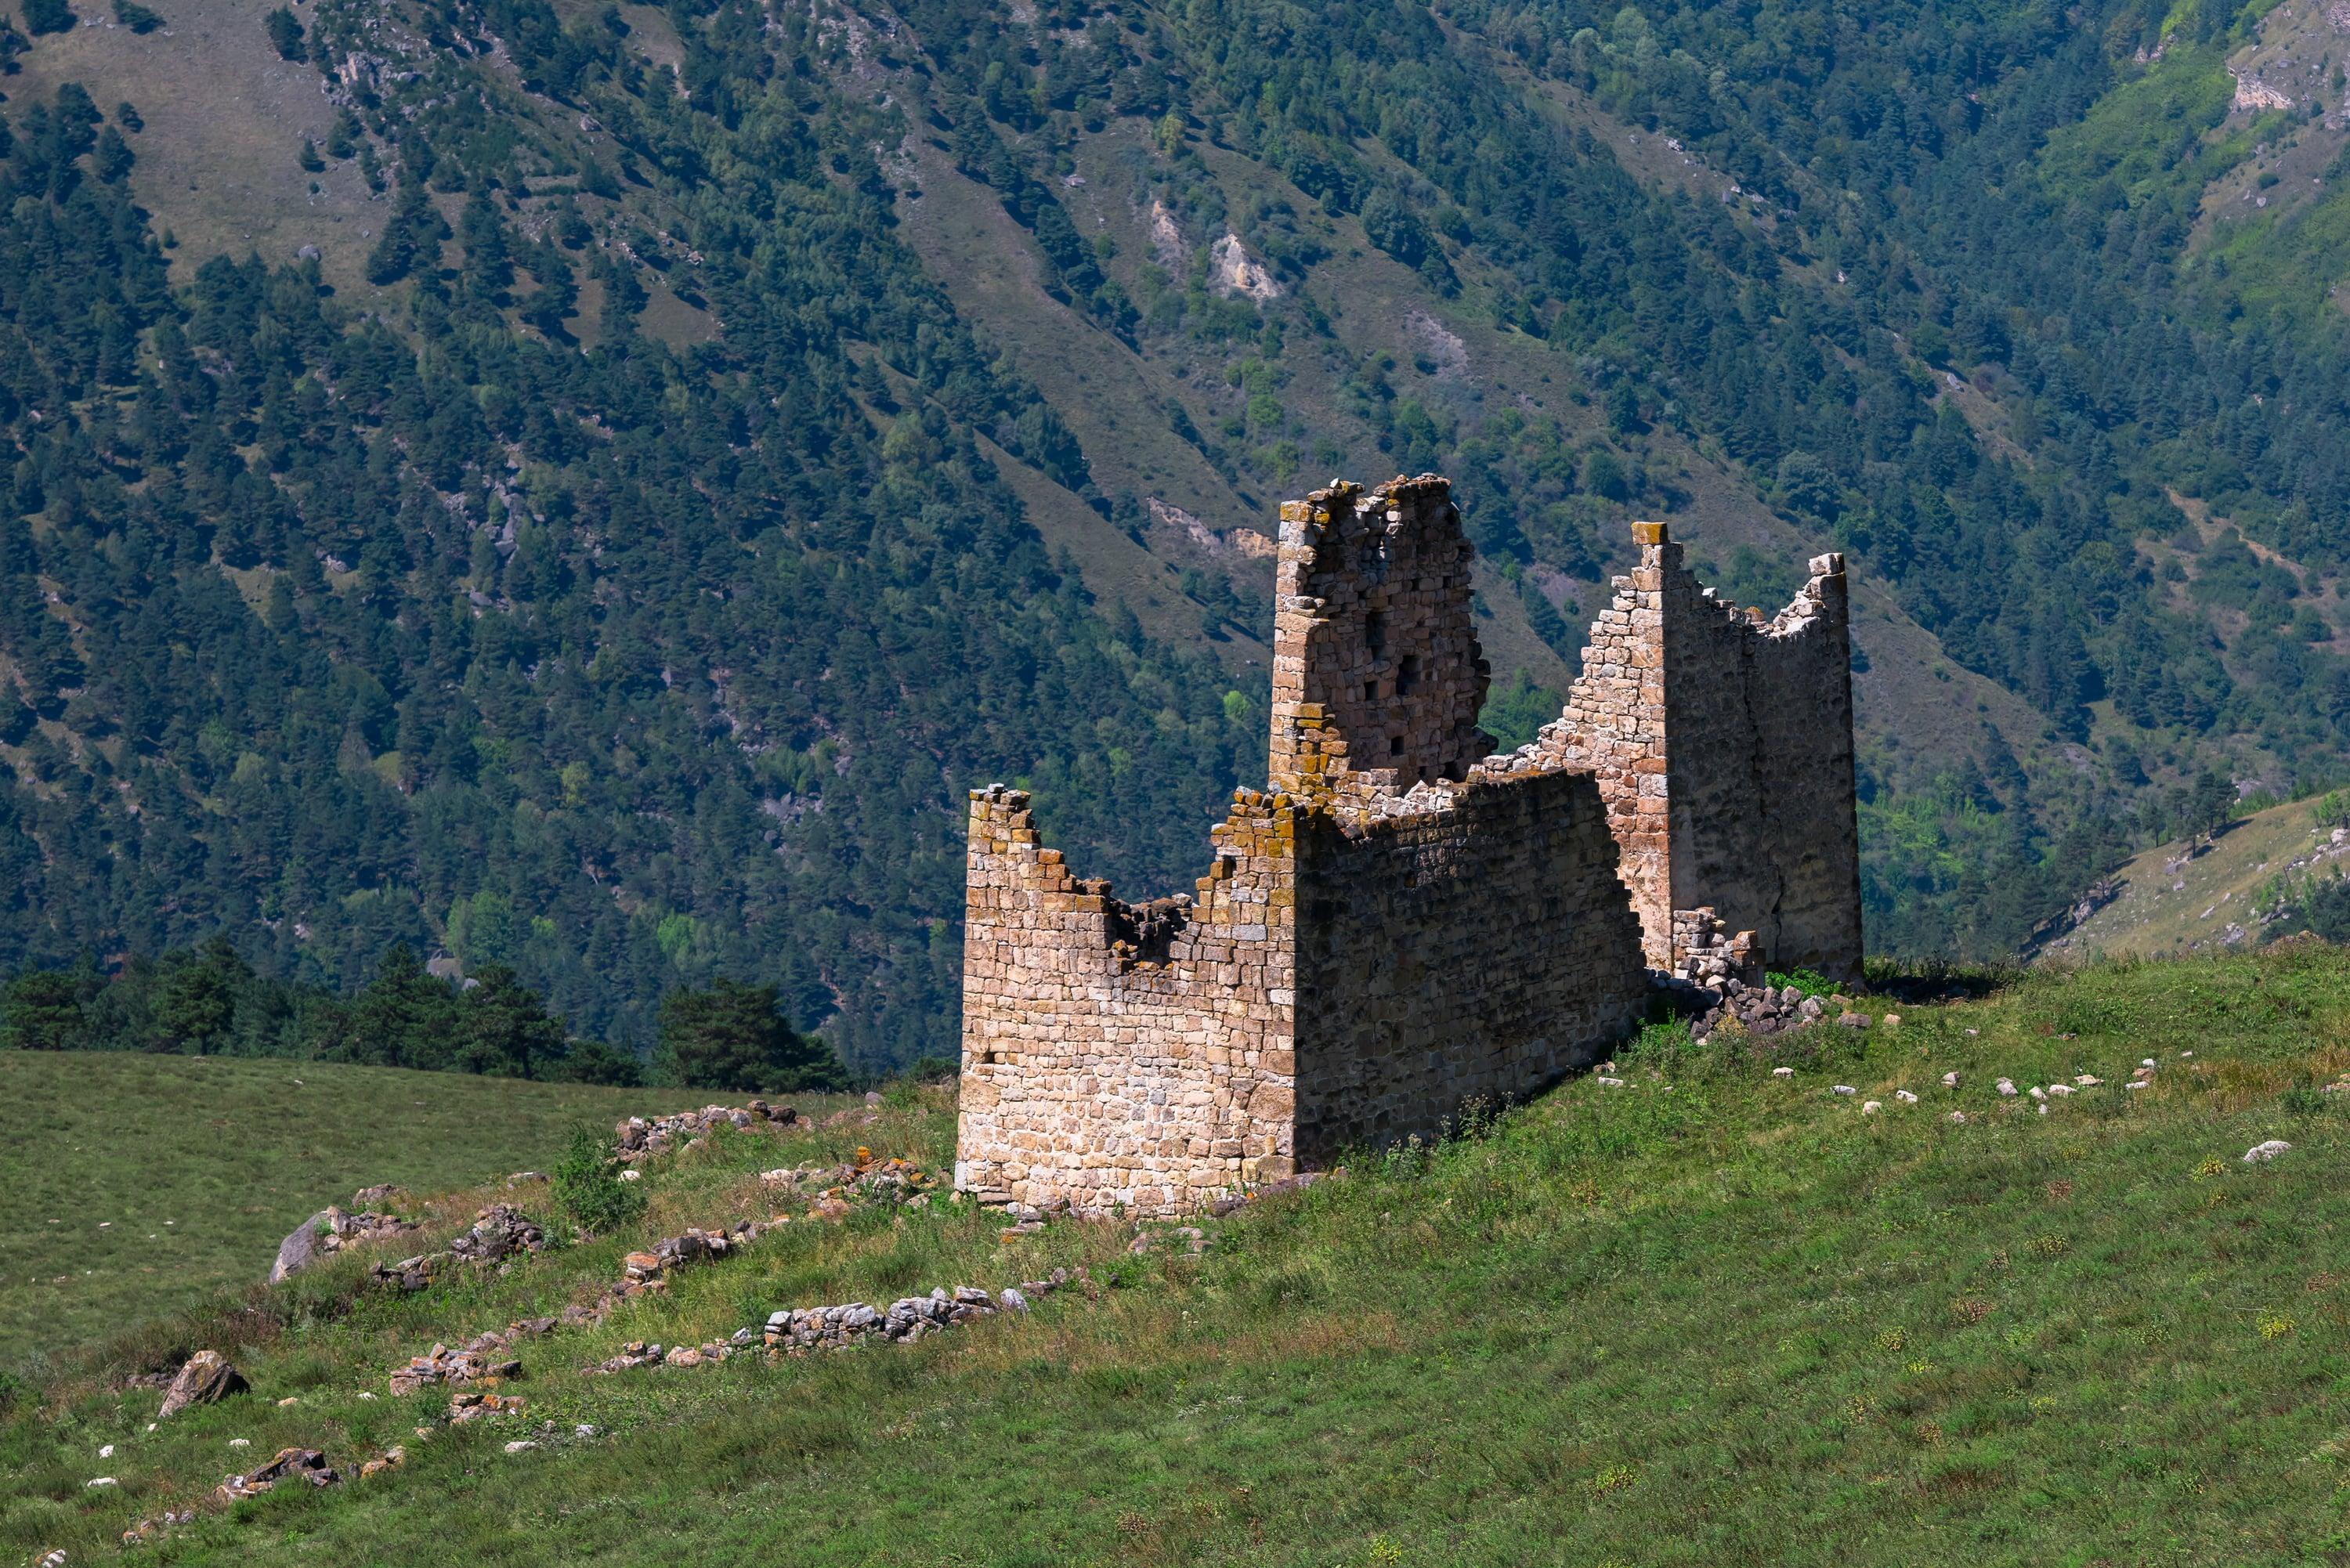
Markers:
{"x": 1403, "y": 921}
{"x": 306, "y": 1465}
{"x": 641, "y": 1139}
{"x": 1764, "y": 1011}
{"x": 499, "y": 1233}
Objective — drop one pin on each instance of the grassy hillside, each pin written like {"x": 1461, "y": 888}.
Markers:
{"x": 132, "y": 1186}
{"x": 2169, "y": 900}
{"x": 1709, "y": 1316}
{"x": 587, "y": 487}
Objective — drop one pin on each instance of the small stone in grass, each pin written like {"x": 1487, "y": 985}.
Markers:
{"x": 1612, "y": 1083}
{"x": 1840, "y": 1090}
{"x": 1782, "y": 1072}
{"x": 521, "y": 1446}
{"x": 1870, "y": 1108}
{"x": 2262, "y": 1153}
{"x": 1950, "y": 1080}
{"x": 107, "y": 1452}
{"x": 2007, "y": 1088}
{"x": 101, "y": 1480}
{"x": 1904, "y": 1096}
{"x": 1957, "y": 1116}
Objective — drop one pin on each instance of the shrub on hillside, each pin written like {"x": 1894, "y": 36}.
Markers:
{"x": 286, "y": 35}
{"x": 49, "y": 17}
{"x": 586, "y": 1184}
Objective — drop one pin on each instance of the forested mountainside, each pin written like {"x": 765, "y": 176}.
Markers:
{"x": 586, "y": 487}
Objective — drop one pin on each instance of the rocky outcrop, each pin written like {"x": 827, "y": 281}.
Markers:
{"x": 332, "y": 1228}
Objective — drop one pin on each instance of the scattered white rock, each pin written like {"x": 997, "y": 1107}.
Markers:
{"x": 521, "y": 1446}
{"x": 2135, "y": 1084}
{"x": 1974, "y": 1031}
{"x": 632, "y": 1175}
{"x": 1782, "y": 1072}
{"x": 585, "y": 1429}
{"x": 240, "y": 1442}
{"x": 1841, "y": 1089}
{"x": 1957, "y": 1116}
{"x": 1950, "y": 1080}
{"x": 1870, "y": 1108}
{"x": 2183, "y": 1055}
{"x": 106, "y": 1452}
{"x": 2148, "y": 1063}
{"x": 366, "y": 1394}
{"x": 2037, "y": 1093}
{"x": 2007, "y": 1088}
{"x": 289, "y": 1400}
{"x": 102, "y": 1481}
{"x": 1904, "y": 1096}
{"x": 1612, "y": 1083}
{"x": 2262, "y": 1153}
{"x": 2042, "y": 1107}
{"x": 2088, "y": 1080}
{"x": 2060, "y": 1090}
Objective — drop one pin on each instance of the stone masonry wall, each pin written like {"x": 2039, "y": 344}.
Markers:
{"x": 1096, "y": 1073}
{"x": 1760, "y": 775}
{"x": 1377, "y": 677}
{"x": 1722, "y": 745}
{"x": 1482, "y": 947}
{"x": 1404, "y": 922}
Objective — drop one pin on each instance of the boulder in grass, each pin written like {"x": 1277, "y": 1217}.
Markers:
{"x": 2262, "y": 1153}
{"x": 208, "y": 1376}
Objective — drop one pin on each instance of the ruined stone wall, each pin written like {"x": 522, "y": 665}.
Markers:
{"x": 1126, "y": 1056}
{"x": 1479, "y": 947}
{"x": 1801, "y": 676}
{"x": 1614, "y": 727}
{"x": 1377, "y": 678}
{"x": 1722, "y": 746}
{"x": 1407, "y": 922}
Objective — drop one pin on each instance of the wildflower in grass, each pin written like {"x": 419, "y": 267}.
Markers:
{"x": 1386, "y": 1550}
{"x": 1614, "y": 1477}
{"x": 2275, "y": 1326}
{"x": 2041, "y": 1404}
{"x": 2049, "y": 1246}
{"x": 1891, "y": 1339}
{"x": 1920, "y": 1368}
{"x": 2210, "y": 1167}
{"x": 1859, "y": 1408}
{"x": 1928, "y": 1433}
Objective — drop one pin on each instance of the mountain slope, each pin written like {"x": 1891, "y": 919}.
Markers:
{"x": 709, "y": 438}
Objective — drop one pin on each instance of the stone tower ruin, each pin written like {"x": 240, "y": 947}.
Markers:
{"x": 1402, "y": 921}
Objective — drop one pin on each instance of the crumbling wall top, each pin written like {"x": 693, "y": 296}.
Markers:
{"x": 1376, "y": 676}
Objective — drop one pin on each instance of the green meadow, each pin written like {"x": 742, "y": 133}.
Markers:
{"x": 1711, "y": 1316}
